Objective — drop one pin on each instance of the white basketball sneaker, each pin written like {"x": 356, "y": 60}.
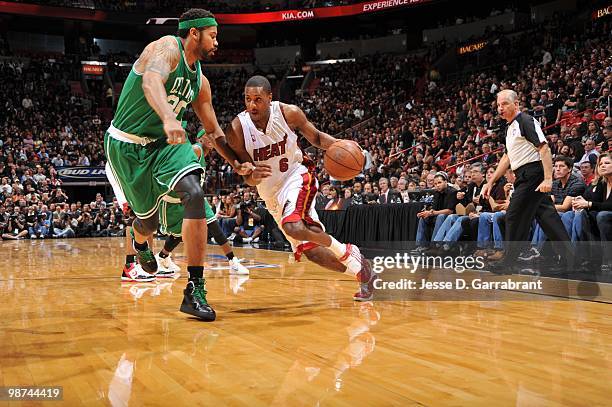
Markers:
{"x": 237, "y": 268}
{"x": 166, "y": 267}
{"x": 134, "y": 273}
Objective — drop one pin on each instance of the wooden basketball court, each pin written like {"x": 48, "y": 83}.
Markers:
{"x": 288, "y": 335}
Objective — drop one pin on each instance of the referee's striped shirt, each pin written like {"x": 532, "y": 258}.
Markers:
{"x": 523, "y": 137}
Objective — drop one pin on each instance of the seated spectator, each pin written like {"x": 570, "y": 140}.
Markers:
{"x": 16, "y": 227}
{"x": 322, "y": 197}
{"x": 393, "y": 183}
{"x": 101, "y": 225}
{"x": 336, "y": 201}
{"x": 4, "y": 216}
{"x": 589, "y": 150}
{"x": 216, "y": 204}
{"x": 5, "y": 187}
{"x": 271, "y": 231}
{"x": 116, "y": 226}
{"x": 85, "y": 225}
{"x": 490, "y": 224}
{"x": 403, "y": 191}
{"x": 62, "y": 227}
{"x": 604, "y": 100}
{"x": 348, "y": 198}
{"x": 595, "y": 208}
{"x": 357, "y": 198}
{"x": 368, "y": 195}
{"x": 248, "y": 223}
{"x": 593, "y": 133}
{"x": 387, "y": 195}
{"x": 40, "y": 228}
{"x": 227, "y": 216}
{"x": 565, "y": 187}
{"x": 587, "y": 169}
{"x": 607, "y": 143}
{"x": 444, "y": 203}
{"x": 466, "y": 220}
{"x": 465, "y": 197}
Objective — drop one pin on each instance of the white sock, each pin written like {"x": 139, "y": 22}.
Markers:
{"x": 352, "y": 271}
{"x": 337, "y": 248}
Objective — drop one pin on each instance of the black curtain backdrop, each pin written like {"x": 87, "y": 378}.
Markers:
{"x": 367, "y": 223}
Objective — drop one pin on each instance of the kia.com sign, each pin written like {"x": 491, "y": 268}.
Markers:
{"x": 246, "y": 18}
{"x": 316, "y": 13}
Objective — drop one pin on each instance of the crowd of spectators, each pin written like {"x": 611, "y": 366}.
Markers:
{"x": 444, "y": 123}
{"x": 409, "y": 121}
{"x": 434, "y": 139}
{"x": 50, "y": 215}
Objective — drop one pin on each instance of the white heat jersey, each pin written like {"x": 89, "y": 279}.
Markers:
{"x": 277, "y": 147}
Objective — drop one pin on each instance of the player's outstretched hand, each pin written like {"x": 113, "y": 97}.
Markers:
{"x": 261, "y": 171}
{"x": 258, "y": 172}
{"x": 243, "y": 168}
{"x": 175, "y": 133}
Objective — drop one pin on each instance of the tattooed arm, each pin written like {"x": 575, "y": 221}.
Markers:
{"x": 296, "y": 119}
{"x": 158, "y": 59}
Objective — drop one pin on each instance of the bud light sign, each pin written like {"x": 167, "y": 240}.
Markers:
{"x": 81, "y": 174}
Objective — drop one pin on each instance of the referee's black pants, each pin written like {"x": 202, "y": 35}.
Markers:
{"x": 525, "y": 205}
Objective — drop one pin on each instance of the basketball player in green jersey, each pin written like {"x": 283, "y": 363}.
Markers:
{"x": 171, "y": 214}
{"x": 146, "y": 150}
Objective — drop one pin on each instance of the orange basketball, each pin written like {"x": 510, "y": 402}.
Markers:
{"x": 344, "y": 160}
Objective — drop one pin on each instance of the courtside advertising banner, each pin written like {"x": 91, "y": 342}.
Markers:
{"x": 243, "y": 18}
{"x": 315, "y": 13}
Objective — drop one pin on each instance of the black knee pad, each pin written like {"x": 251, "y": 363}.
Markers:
{"x": 215, "y": 231}
{"x": 146, "y": 226}
{"x": 192, "y": 196}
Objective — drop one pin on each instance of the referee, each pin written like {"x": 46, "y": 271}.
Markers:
{"x": 528, "y": 154}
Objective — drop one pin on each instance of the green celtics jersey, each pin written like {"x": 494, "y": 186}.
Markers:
{"x": 134, "y": 115}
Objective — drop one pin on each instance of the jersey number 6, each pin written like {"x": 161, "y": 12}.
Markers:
{"x": 283, "y": 165}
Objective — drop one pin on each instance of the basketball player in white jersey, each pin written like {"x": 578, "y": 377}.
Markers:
{"x": 265, "y": 133}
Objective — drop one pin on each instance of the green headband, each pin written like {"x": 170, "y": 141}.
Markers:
{"x": 197, "y": 23}
{"x": 201, "y": 133}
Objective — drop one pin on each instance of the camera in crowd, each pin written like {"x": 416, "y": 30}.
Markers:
{"x": 247, "y": 205}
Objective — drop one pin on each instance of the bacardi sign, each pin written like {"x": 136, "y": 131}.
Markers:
{"x": 602, "y": 12}
{"x": 467, "y": 49}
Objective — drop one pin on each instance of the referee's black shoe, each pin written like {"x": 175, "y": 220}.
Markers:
{"x": 501, "y": 267}
{"x": 530, "y": 255}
